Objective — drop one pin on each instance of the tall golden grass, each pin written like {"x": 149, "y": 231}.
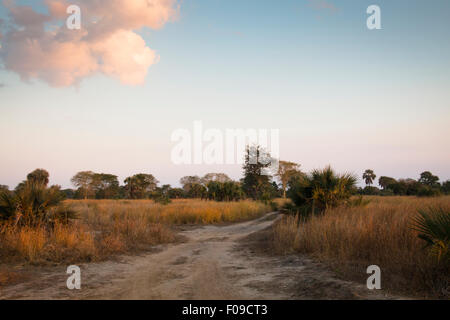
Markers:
{"x": 178, "y": 212}
{"x": 108, "y": 227}
{"x": 351, "y": 239}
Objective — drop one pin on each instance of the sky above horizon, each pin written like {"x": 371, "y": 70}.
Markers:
{"x": 340, "y": 94}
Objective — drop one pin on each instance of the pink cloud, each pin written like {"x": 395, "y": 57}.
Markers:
{"x": 39, "y": 46}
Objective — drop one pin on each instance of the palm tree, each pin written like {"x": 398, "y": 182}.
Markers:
{"x": 34, "y": 204}
{"x": 329, "y": 188}
{"x": 369, "y": 176}
{"x": 322, "y": 189}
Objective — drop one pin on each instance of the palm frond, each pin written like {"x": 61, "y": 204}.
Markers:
{"x": 433, "y": 226}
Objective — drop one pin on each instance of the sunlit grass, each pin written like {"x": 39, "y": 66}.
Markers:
{"x": 381, "y": 233}
{"x": 108, "y": 227}
{"x": 177, "y": 212}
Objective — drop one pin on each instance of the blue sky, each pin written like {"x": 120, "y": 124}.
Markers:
{"x": 339, "y": 93}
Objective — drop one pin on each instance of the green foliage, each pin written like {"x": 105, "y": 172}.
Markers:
{"x": 176, "y": 193}
{"x": 287, "y": 170}
{"x": 385, "y": 182}
{"x": 140, "y": 185}
{"x": 105, "y": 186}
{"x": 426, "y": 191}
{"x": 224, "y": 191}
{"x": 95, "y": 185}
{"x": 321, "y": 190}
{"x": 434, "y": 227}
{"x": 193, "y": 187}
{"x": 370, "y": 191}
{"x": 161, "y": 195}
{"x": 446, "y": 187}
{"x": 196, "y": 190}
{"x": 386, "y": 192}
{"x": 428, "y": 179}
{"x": 34, "y": 204}
{"x": 256, "y": 182}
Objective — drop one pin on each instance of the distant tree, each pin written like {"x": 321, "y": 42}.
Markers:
{"x": 256, "y": 184}
{"x": 161, "y": 194}
{"x": 427, "y": 191}
{"x": 412, "y": 187}
{"x": 384, "y": 182}
{"x": 232, "y": 191}
{"x": 276, "y": 191}
{"x": 105, "y": 186}
{"x": 399, "y": 188}
{"x": 176, "y": 193}
{"x": 165, "y": 188}
{"x": 218, "y": 177}
{"x": 428, "y": 179}
{"x": 224, "y": 191}
{"x": 370, "y": 191}
{"x": 285, "y": 171}
{"x": 369, "y": 176}
{"x": 196, "y": 190}
{"x": 38, "y": 176}
{"x": 4, "y": 187}
{"x": 446, "y": 187}
{"x": 68, "y": 193}
{"x": 83, "y": 180}
{"x": 140, "y": 185}
{"x": 187, "y": 182}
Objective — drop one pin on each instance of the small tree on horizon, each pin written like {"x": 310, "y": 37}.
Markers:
{"x": 428, "y": 179}
{"x": 83, "y": 180}
{"x": 285, "y": 171}
{"x": 255, "y": 183}
{"x": 385, "y": 182}
{"x": 369, "y": 176}
{"x": 140, "y": 185}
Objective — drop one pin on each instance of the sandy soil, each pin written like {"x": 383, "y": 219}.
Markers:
{"x": 215, "y": 262}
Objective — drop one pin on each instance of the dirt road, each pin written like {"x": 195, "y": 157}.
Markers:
{"x": 215, "y": 262}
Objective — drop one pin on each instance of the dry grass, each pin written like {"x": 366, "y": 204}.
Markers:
{"x": 108, "y": 227}
{"x": 351, "y": 239}
{"x": 177, "y": 212}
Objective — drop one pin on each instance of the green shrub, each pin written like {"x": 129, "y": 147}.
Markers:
{"x": 321, "y": 190}
{"x": 426, "y": 191}
{"x": 34, "y": 204}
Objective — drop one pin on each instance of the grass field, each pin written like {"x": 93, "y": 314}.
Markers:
{"x": 351, "y": 239}
{"x": 108, "y": 227}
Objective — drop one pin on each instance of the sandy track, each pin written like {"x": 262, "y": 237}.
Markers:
{"x": 212, "y": 264}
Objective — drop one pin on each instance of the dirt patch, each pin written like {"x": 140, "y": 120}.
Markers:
{"x": 10, "y": 277}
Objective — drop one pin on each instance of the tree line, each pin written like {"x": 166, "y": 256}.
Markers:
{"x": 287, "y": 181}
{"x": 427, "y": 185}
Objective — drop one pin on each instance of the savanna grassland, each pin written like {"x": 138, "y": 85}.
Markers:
{"x": 381, "y": 232}
{"x": 103, "y": 228}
